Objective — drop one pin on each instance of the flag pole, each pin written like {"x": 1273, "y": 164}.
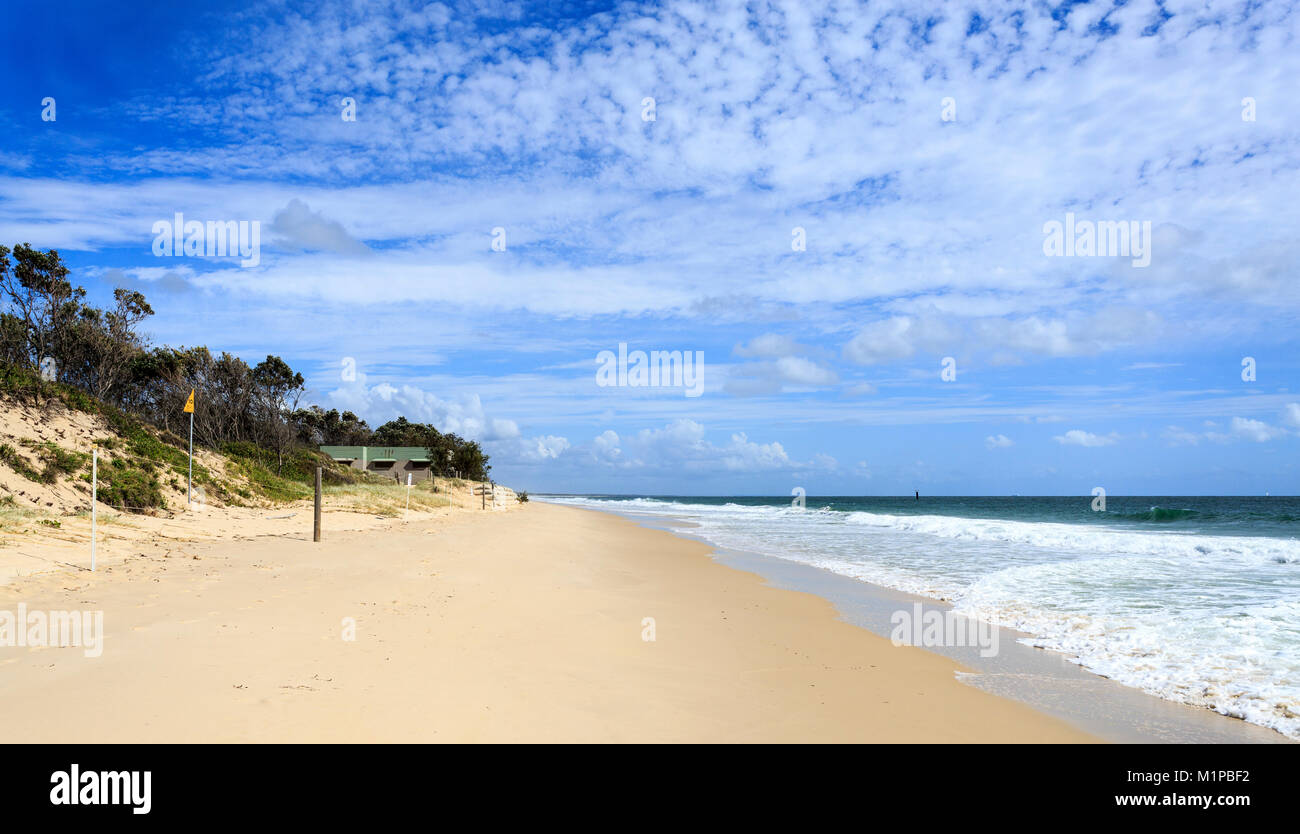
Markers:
{"x": 189, "y": 478}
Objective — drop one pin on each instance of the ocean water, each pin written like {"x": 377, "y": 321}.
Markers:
{"x": 1192, "y": 599}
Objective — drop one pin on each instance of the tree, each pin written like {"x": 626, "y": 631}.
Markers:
{"x": 45, "y": 304}
{"x": 401, "y": 432}
{"x": 449, "y": 453}
{"x": 13, "y": 330}
{"x": 318, "y": 427}
{"x": 44, "y": 316}
{"x": 103, "y": 346}
{"x": 469, "y": 460}
{"x": 276, "y": 391}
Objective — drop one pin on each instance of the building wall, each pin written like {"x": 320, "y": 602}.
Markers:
{"x": 395, "y": 462}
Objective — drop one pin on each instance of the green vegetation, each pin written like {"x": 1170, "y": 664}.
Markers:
{"x": 247, "y": 460}
{"x": 58, "y": 461}
{"x": 522, "y": 496}
{"x": 129, "y": 487}
{"x": 56, "y": 347}
{"x": 19, "y": 464}
{"x": 449, "y": 454}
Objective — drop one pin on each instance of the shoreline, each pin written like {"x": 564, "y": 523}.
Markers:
{"x": 526, "y": 625}
{"x": 1045, "y": 680}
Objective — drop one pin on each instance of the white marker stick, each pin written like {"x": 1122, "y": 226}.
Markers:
{"x": 94, "y": 498}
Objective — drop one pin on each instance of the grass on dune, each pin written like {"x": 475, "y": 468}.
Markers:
{"x": 13, "y": 517}
{"x": 388, "y": 499}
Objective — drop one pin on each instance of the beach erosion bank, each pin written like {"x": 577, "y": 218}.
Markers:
{"x": 543, "y": 623}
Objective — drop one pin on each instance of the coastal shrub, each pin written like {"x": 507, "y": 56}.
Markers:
{"x": 522, "y": 496}
{"x": 58, "y": 461}
{"x": 134, "y": 480}
{"x": 296, "y": 465}
{"x": 19, "y": 464}
{"x": 19, "y": 383}
{"x": 266, "y": 482}
{"x": 129, "y": 488}
{"x": 297, "y": 469}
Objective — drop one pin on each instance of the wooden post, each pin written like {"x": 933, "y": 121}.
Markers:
{"x": 315, "y": 535}
{"x": 483, "y": 497}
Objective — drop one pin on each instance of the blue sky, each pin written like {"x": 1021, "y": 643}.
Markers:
{"x": 921, "y": 149}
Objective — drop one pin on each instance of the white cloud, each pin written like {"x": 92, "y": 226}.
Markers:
{"x": 462, "y": 415}
{"x": 998, "y": 441}
{"x": 1151, "y": 366}
{"x": 297, "y": 226}
{"x": 1178, "y": 436}
{"x": 801, "y": 371}
{"x": 1256, "y": 430}
{"x": 885, "y": 340}
{"x": 1239, "y": 428}
{"x": 743, "y": 455}
{"x": 768, "y": 346}
{"x": 548, "y": 447}
{"x": 605, "y": 446}
{"x": 682, "y": 444}
{"x": 768, "y": 377}
{"x": 1078, "y": 437}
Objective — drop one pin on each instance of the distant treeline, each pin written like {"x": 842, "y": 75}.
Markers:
{"x": 46, "y": 326}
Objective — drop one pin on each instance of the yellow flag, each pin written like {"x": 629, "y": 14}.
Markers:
{"x": 189, "y": 404}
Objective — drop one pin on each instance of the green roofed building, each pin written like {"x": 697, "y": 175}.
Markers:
{"x": 394, "y": 461}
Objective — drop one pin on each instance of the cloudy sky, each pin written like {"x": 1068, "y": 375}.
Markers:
{"x": 842, "y": 206}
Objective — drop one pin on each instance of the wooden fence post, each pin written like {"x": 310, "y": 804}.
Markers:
{"x": 315, "y": 535}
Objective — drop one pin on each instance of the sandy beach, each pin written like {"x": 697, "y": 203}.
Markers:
{"x": 523, "y": 625}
